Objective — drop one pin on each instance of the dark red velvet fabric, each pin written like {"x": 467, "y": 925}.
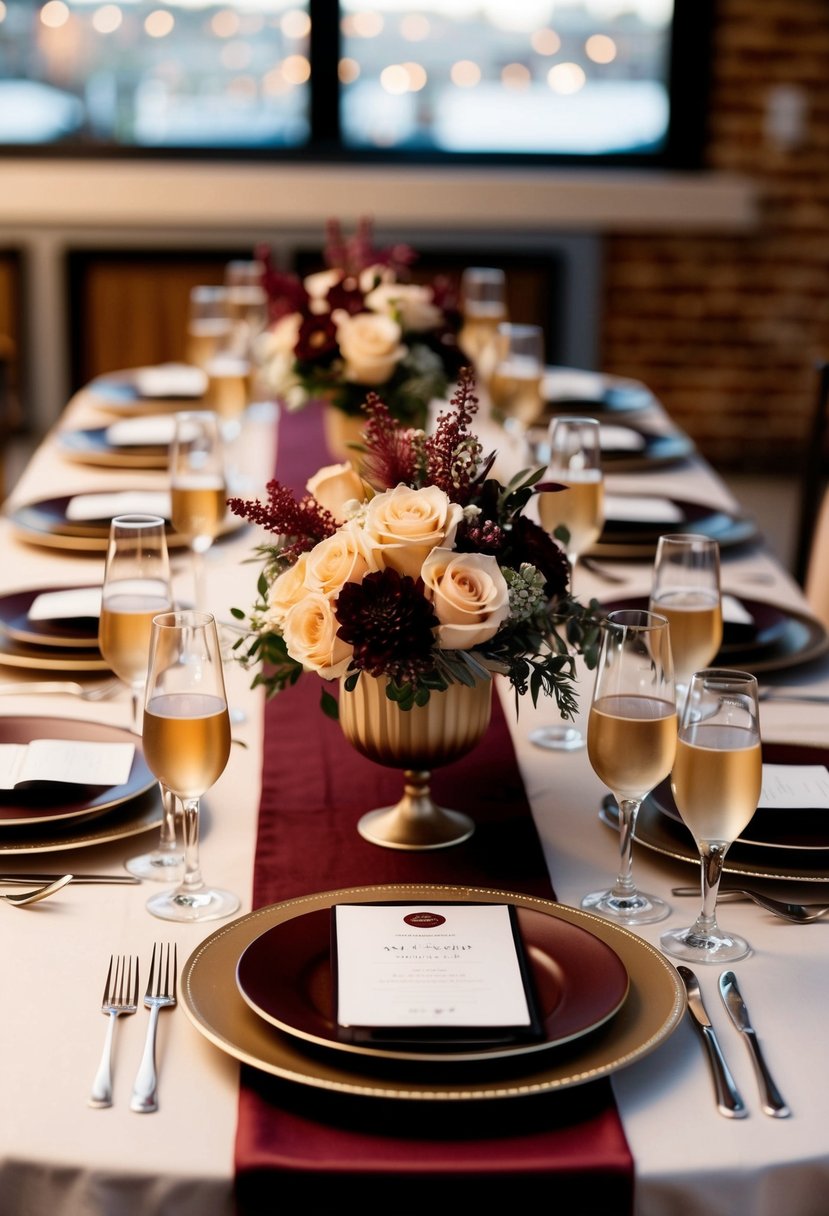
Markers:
{"x": 411, "y": 1156}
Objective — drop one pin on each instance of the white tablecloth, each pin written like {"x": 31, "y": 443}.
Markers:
{"x": 57, "y": 1154}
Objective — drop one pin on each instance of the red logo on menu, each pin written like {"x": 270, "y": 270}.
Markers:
{"x": 424, "y": 920}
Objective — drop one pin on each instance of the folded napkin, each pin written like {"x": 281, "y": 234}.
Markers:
{"x": 170, "y": 380}
{"x": 410, "y": 1155}
{"x": 123, "y": 502}
{"x": 152, "y": 429}
{"x": 620, "y": 439}
{"x": 642, "y": 508}
{"x": 66, "y": 605}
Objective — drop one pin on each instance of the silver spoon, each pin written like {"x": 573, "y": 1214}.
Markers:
{"x": 20, "y": 899}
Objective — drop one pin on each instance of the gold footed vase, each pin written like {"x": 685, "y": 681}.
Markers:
{"x": 416, "y": 740}
{"x": 340, "y": 431}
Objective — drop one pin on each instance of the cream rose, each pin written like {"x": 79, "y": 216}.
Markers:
{"x": 341, "y": 558}
{"x": 287, "y": 590}
{"x": 310, "y": 633}
{"x": 275, "y": 354}
{"x": 319, "y": 284}
{"x": 370, "y": 346}
{"x": 335, "y": 485}
{"x": 469, "y": 594}
{"x": 408, "y": 303}
{"x": 402, "y": 526}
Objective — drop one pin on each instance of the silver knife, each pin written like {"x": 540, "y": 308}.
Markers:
{"x": 770, "y": 1096}
{"x": 729, "y": 1101}
{"x": 124, "y": 879}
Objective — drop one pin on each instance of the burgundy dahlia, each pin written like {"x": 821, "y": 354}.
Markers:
{"x": 388, "y": 622}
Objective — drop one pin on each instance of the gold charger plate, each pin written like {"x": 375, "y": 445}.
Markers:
{"x": 44, "y": 522}
{"x": 630, "y": 538}
{"x": 49, "y": 658}
{"x": 653, "y": 1009}
{"x": 129, "y": 819}
{"x": 117, "y": 393}
{"x": 91, "y": 446}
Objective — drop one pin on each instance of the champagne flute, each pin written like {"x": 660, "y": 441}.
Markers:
{"x": 198, "y": 487}
{"x": 187, "y": 745}
{"x": 483, "y": 306}
{"x": 716, "y": 782}
{"x": 578, "y": 506}
{"x": 515, "y": 384}
{"x": 686, "y": 590}
{"x": 136, "y": 588}
{"x": 208, "y": 323}
{"x": 631, "y": 741}
{"x": 247, "y": 303}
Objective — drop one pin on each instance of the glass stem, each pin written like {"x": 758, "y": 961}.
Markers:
{"x": 136, "y": 697}
{"x": 200, "y": 588}
{"x": 624, "y": 886}
{"x": 192, "y": 880}
{"x": 167, "y": 842}
{"x": 713, "y": 858}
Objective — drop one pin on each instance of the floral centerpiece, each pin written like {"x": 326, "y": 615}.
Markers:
{"x": 420, "y": 568}
{"x": 359, "y": 325}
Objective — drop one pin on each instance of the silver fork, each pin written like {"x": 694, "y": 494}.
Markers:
{"x": 120, "y": 997}
{"x": 94, "y": 692}
{"x": 798, "y": 914}
{"x": 160, "y": 994}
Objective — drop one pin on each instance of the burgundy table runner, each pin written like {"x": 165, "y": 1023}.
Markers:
{"x": 315, "y": 787}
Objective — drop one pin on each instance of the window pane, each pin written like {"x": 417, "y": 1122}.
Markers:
{"x": 155, "y": 73}
{"x": 577, "y": 77}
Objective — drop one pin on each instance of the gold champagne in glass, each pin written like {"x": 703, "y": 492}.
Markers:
{"x": 575, "y": 502}
{"x": 631, "y": 742}
{"x": 187, "y": 745}
{"x": 515, "y": 393}
{"x": 484, "y": 308}
{"x": 198, "y": 489}
{"x": 208, "y": 324}
{"x": 136, "y": 588}
{"x": 686, "y": 590}
{"x": 716, "y": 782}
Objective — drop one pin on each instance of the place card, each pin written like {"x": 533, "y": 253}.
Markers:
{"x": 70, "y": 761}
{"x": 153, "y": 430}
{"x": 796, "y": 787}
{"x": 66, "y": 605}
{"x": 642, "y": 508}
{"x": 432, "y": 973}
{"x": 123, "y": 502}
{"x": 171, "y": 380}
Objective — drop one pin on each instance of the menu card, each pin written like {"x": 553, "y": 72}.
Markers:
{"x": 794, "y": 787}
{"x": 65, "y": 760}
{"x": 431, "y": 973}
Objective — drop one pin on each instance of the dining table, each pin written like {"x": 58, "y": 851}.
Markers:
{"x": 624, "y": 1121}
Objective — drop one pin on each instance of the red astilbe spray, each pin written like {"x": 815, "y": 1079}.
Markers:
{"x": 452, "y": 453}
{"x": 303, "y": 522}
{"x": 391, "y": 452}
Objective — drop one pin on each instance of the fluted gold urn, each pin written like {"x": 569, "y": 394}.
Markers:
{"x": 416, "y": 740}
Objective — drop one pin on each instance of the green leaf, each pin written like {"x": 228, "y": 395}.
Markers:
{"x": 329, "y": 705}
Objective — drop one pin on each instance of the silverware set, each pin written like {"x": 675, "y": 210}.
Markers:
{"x": 730, "y": 1102}
{"x": 121, "y": 998}
{"x": 797, "y": 914}
{"x": 22, "y": 899}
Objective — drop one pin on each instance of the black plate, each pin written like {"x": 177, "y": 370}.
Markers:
{"x": 638, "y": 538}
{"x": 568, "y": 389}
{"x": 658, "y": 451}
{"x": 778, "y": 638}
{"x": 81, "y": 632}
{"x": 803, "y": 830}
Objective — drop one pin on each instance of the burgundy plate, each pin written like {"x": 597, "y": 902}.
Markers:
{"x": 285, "y": 977}
{"x": 81, "y": 632}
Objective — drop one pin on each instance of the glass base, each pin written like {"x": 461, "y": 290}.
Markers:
{"x": 558, "y": 738}
{"x": 205, "y": 903}
{"x": 694, "y": 947}
{"x": 157, "y": 867}
{"x": 635, "y": 909}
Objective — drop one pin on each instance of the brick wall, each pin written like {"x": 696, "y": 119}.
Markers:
{"x": 725, "y": 329}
